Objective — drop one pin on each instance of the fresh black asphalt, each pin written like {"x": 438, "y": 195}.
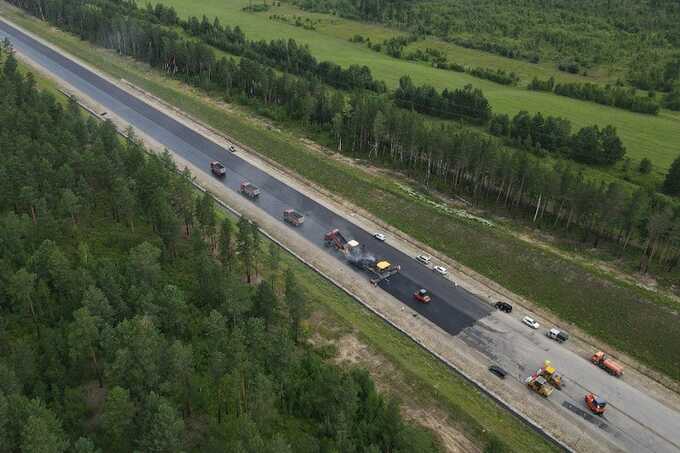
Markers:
{"x": 452, "y": 308}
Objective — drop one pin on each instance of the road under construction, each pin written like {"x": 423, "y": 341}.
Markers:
{"x": 635, "y": 421}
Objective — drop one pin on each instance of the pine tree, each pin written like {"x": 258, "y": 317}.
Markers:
{"x": 226, "y": 249}
{"x": 245, "y": 248}
{"x": 671, "y": 185}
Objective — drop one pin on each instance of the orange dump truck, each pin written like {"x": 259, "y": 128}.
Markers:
{"x": 600, "y": 359}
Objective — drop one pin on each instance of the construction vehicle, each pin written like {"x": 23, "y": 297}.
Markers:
{"x": 600, "y": 359}
{"x": 359, "y": 257}
{"x": 249, "y": 190}
{"x": 422, "y": 296}
{"x": 334, "y": 238}
{"x": 539, "y": 385}
{"x": 293, "y": 217}
{"x": 596, "y": 404}
{"x": 550, "y": 374}
{"x": 380, "y": 268}
{"x": 218, "y": 168}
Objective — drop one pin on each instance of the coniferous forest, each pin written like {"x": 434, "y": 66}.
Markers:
{"x": 133, "y": 319}
{"x": 380, "y": 127}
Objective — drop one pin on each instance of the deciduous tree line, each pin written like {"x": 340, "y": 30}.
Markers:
{"x": 552, "y": 134}
{"x": 133, "y": 319}
{"x": 590, "y": 145}
{"x": 448, "y": 157}
{"x": 467, "y": 104}
{"x": 285, "y": 55}
{"x": 616, "y": 96}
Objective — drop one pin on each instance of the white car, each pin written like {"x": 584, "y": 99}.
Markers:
{"x": 531, "y": 322}
{"x": 379, "y": 236}
{"x": 440, "y": 270}
{"x": 424, "y": 259}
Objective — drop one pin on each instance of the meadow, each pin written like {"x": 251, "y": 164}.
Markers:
{"x": 656, "y": 138}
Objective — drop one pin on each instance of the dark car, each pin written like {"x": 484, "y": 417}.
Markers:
{"x": 217, "y": 168}
{"x": 498, "y": 371}
{"x": 504, "y": 306}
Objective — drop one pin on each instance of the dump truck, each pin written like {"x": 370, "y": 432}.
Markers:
{"x": 596, "y": 404}
{"x": 550, "y": 374}
{"x": 350, "y": 249}
{"x": 600, "y": 359}
{"x": 539, "y": 385}
{"x": 293, "y": 217}
{"x": 334, "y": 238}
{"x": 249, "y": 190}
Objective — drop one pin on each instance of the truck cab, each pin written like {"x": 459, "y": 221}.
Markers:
{"x": 596, "y": 404}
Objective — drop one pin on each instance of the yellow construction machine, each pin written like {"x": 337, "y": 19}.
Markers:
{"x": 539, "y": 385}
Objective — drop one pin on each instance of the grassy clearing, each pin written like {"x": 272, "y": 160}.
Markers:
{"x": 344, "y": 29}
{"x": 625, "y": 316}
{"x": 657, "y": 138}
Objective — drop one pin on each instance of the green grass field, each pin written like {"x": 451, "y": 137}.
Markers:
{"x": 576, "y": 293}
{"x": 344, "y": 29}
{"x": 657, "y": 138}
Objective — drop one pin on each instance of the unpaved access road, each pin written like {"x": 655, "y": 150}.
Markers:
{"x": 458, "y": 324}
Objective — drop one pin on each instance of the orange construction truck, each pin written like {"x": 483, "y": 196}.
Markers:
{"x": 600, "y": 359}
